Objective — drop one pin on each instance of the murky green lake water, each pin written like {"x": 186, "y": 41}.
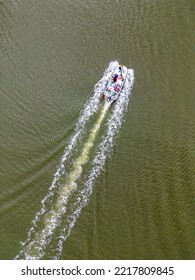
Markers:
{"x": 52, "y": 53}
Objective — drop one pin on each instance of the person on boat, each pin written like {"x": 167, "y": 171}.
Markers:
{"x": 116, "y": 88}
{"x": 121, "y": 77}
{"x": 115, "y": 78}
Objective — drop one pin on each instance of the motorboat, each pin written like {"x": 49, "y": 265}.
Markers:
{"x": 115, "y": 84}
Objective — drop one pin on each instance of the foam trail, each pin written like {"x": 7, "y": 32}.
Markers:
{"x": 105, "y": 149}
{"x": 37, "y": 240}
{"x": 35, "y": 245}
{"x": 35, "y": 250}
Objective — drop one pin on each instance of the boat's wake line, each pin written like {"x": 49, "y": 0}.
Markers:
{"x": 104, "y": 150}
{"x": 56, "y": 214}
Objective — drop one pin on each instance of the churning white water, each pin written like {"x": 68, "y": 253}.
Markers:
{"x": 53, "y": 213}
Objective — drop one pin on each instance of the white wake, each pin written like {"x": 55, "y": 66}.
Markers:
{"x": 104, "y": 151}
{"x": 54, "y": 206}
